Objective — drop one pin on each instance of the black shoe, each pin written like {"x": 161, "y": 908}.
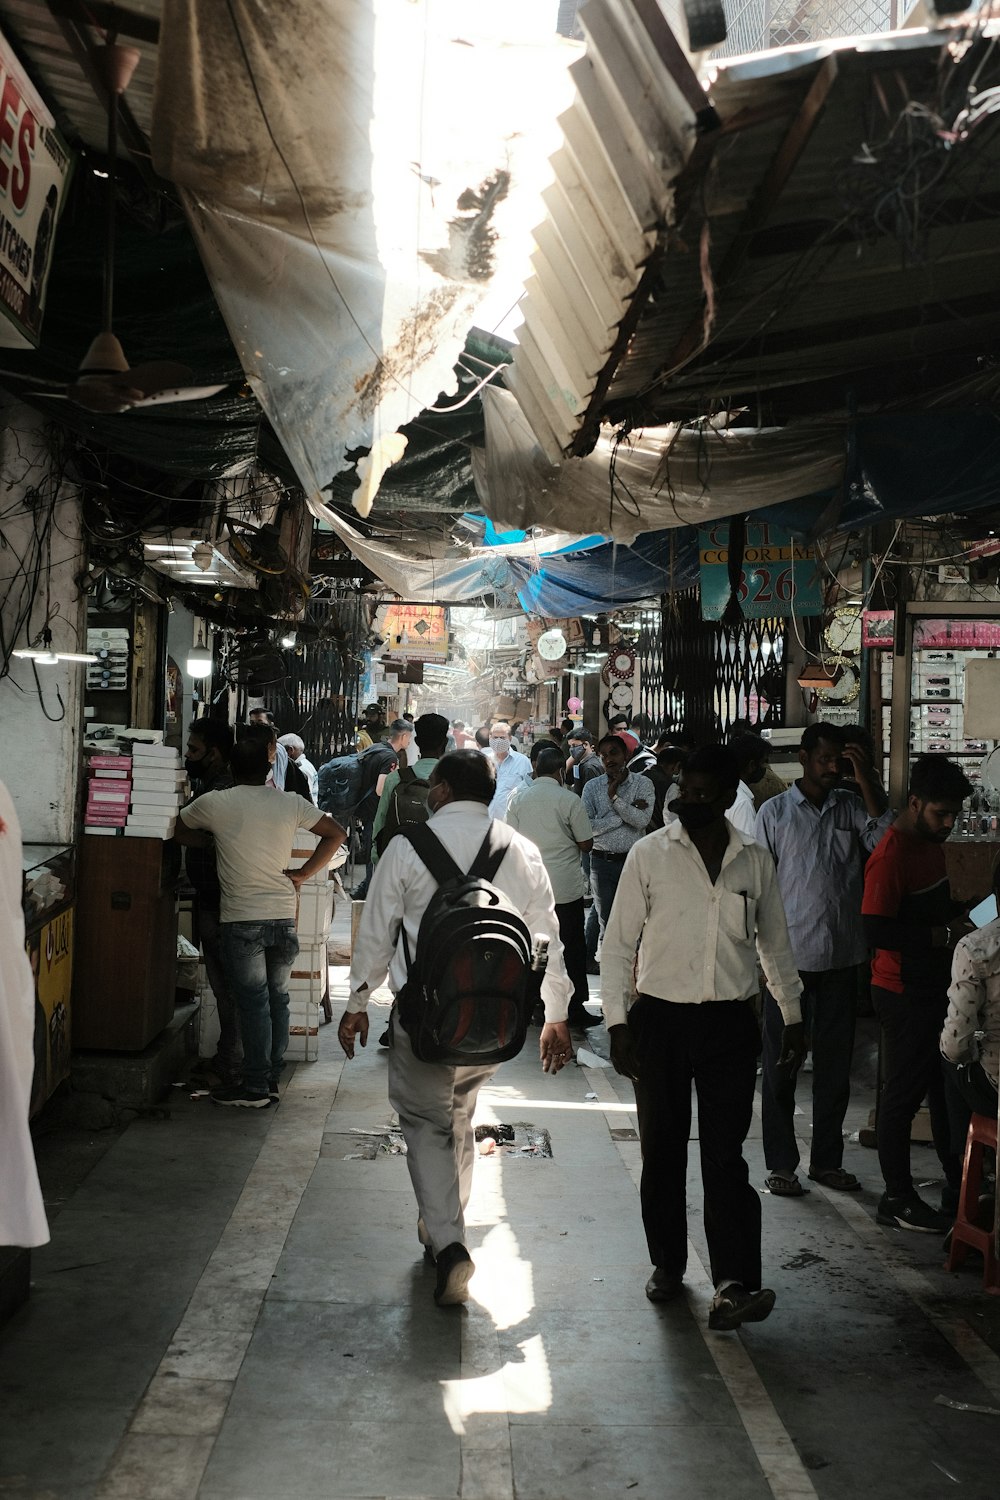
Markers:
{"x": 272, "y": 1090}
{"x": 736, "y": 1305}
{"x": 663, "y": 1285}
{"x": 593, "y": 967}
{"x": 383, "y": 1040}
{"x": 240, "y": 1097}
{"x": 949, "y": 1200}
{"x": 911, "y": 1213}
{"x": 454, "y": 1272}
{"x": 582, "y": 1019}
{"x": 359, "y": 893}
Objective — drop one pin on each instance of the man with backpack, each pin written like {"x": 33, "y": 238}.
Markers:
{"x": 459, "y": 910}
{"x": 350, "y": 787}
{"x": 404, "y": 793}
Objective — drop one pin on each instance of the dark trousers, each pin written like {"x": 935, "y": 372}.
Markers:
{"x": 229, "y": 1049}
{"x": 715, "y": 1045}
{"x": 828, "y": 1001}
{"x": 571, "y": 933}
{"x": 967, "y": 1092}
{"x": 911, "y": 1068}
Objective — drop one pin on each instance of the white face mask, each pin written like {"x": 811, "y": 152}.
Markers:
{"x": 499, "y": 745}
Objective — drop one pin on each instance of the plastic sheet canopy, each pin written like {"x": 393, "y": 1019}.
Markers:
{"x": 361, "y": 177}
{"x": 655, "y": 479}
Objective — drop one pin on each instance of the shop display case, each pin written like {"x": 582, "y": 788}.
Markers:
{"x": 48, "y": 896}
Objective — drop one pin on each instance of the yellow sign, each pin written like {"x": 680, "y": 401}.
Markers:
{"x": 414, "y": 632}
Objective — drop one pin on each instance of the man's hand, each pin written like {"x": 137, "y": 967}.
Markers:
{"x": 863, "y": 768}
{"x": 297, "y": 877}
{"x": 555, "y": 1047}
{"x": 624, "y": 1058}
{"x": 353, "y": 1025}
{"x": 615, "y": 779}
{"x": 643, "y": 805}
{"x": 793, "y": 1050}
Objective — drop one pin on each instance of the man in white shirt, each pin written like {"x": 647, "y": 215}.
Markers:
{"x": 752, "y": 756}
{"x": 254, "y": 830}
{"x": 701, "y": 902}
{"x": 435, "y": 1101}
{"x": 620, "y": 807}
{"x": 556, "y": 821}
{"x": 296, "y": 748}
{"x": 512, "y": 769}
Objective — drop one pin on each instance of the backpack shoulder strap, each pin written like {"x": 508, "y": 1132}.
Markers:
{"x": 431, "y": 851}
{"x": 491, "y": 852}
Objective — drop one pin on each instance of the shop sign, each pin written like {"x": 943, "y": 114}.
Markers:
{"x": 414, "y": 632}
{"x": 780, "y": 575}
{"x": 35, "y": 167}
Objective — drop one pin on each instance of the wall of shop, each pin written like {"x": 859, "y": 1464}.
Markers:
{"x": 42, "y": 549}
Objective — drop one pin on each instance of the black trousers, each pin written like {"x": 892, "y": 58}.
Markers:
{"x": 911, "y": 1068}
{"x": 967, "y": 1091}
{"x": 828, "y": 1012}
{"x": 715, "y": 1045}
{"x": 571, "y": 916}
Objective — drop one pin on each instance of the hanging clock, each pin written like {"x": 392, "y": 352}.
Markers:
{"x": 844, "y": 690}
{"x": 552, "y": 645}
{"x": 621, "y": 663}
{"x": 621, "y": 695}
{"x": 843, "y": 634}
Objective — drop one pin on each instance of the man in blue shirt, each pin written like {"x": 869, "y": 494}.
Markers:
{"x": 620, "y": 806}
{"x": 819, "y": 838}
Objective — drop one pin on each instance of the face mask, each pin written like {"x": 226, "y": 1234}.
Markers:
{"x": 498, "y": 746}
{"x": 577, "y": 752}
{"x": 194, "y": 768}
{"x": 693, "y": 815}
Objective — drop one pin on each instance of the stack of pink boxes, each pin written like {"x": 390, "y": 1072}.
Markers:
{"x": 109, "y": 791}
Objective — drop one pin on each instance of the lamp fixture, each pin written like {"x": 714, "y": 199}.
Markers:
{"x": 44, "y": 656}
{"x": 199, "y": 658}
{"x": 289, "y": 640}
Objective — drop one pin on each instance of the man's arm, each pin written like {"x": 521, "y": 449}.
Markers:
{"x": 871, "y": 789}
{"x": 192, "y": 828}
{"x": 621, "y": 939}
{"x": 580, "y": 828}
{"x": 775, "y": 950}
{"x": 628, "y": 798}
{"x": 378, "y": 935}
{"x": 966, "y": 998}
{"x": 331, "y": 836}
{"x": 382, "y": 811}
{"x": 539, "y": 913}
{"x": 603, "y": 817}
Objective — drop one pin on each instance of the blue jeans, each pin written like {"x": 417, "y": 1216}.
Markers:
{"x": 259, "y": 957}
{"x": 229, "y": 1051}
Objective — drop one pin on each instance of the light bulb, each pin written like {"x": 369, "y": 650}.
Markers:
{"x": 199, "y": 661}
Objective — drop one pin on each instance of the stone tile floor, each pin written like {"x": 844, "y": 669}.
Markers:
{"x": 233, "y": 1309}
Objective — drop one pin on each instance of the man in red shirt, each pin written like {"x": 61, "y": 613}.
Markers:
{"x": 913, "y": 924}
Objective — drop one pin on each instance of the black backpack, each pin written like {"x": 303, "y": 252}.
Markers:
{"x": 346, "y": 784}
{"x": 466, "y": 998}
{"x": 407, "y": 804}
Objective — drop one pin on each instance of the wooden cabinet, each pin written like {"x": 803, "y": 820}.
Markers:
{"x": 126, "y": 942}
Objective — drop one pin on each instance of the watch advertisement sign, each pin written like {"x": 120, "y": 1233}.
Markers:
{"x": 35, "y": 167}
{"x": 780, "y": 575}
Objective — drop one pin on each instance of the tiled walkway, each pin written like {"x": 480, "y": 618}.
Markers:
{"x": 235, "y": 1308}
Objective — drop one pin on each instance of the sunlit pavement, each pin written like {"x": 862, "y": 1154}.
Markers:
{"x": 235, "y": 1306}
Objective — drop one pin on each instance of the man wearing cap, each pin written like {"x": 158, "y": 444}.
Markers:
{"x": 371, "y": 728}
{"x": 377, "y": 762}
{"x": 296, "y": 748}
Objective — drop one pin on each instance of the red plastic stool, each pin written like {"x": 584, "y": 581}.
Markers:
{"x": 967, "y": 1234}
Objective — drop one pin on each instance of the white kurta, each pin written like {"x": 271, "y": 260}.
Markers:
{"x": 22, "y": 1214}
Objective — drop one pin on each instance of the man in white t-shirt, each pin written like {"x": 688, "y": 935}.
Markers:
{"x": 254, "y": 830}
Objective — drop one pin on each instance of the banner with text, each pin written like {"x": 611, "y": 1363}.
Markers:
{"x": 413, "y": 632}
{"x": 35, "y": 168}
{"x": 780, "y": 575}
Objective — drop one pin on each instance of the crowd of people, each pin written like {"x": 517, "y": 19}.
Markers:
{"x": 732, "y": 919}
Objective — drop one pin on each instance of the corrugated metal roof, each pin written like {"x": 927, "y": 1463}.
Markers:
{"x": 48, "y": 56}
{"x": 769, "y": 231}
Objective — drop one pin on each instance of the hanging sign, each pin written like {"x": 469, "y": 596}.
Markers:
{"x": 780, "y": 575}
{"x": 35, "y": 167}
{"x": 414, "y": 632}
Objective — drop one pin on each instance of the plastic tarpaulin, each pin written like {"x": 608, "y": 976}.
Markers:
{"x": 361, "y": 177}
{"x": 657, "y": 478}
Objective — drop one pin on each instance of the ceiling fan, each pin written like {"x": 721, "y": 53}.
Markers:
{"x": 104, "y": 382}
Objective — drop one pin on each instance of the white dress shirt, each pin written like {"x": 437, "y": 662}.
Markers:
{"x": 697, "y": 941}
{"x": 402, "y": 887}
{"x": 743, "y": 814}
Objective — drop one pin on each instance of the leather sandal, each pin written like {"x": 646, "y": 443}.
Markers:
{"x": 837, "y": 1178}
{"x": 784, "y": 1187}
